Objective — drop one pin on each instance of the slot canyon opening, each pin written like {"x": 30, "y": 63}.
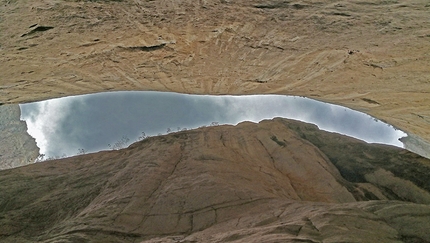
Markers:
{"x": 72, "y": 125}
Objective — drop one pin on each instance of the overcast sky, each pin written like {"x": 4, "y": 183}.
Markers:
{"x": 91, "y": 122}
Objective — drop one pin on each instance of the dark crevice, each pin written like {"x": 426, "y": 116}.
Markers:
{"x": 108, "y": 232}
{"x": 280, "y": 143}
{"x": 222, "y": 140}
{"x": 260, "y": 81}
{"x": 280, "y": 5}
{"x": 267, "y": 151}
{"x": 369, "y": 195}
{"x": 144, "y": 48}
{"x": 38, "y": 29}
{"x": 342, "y": 14}
{"x": 391, "y": 195}
{"x": 311, "y": 224}
{"x": 299, "y": 6}
{"x": 271, "y": 6}
{"x": 370, "y": 101}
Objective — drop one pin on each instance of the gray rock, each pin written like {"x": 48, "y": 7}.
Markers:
{"x": 17, "y": 147}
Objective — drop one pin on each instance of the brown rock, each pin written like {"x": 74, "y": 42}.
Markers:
{"x": 265, "y": 182}
{"x": 346, "y": 53}
{"x": 279, "y": 181}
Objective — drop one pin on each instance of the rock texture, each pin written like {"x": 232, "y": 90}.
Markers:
{"x": 276, "y": 181}
{"x": 17, "y": 147}
{"x": 369, "y": 55}
{"x": 417, "y": 145}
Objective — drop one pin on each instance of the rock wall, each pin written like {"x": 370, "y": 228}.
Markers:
{"x": 368, "y": 55}
{"x": 17, "y": 147}
{"x": 417, "y": 145}
{"x": 268, "y": 182}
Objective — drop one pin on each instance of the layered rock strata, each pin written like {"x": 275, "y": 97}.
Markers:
{"x": 278, "y": 180}
{"x": 368, "y": 55}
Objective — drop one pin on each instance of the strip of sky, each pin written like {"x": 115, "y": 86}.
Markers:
{"x": 64, "y": 126}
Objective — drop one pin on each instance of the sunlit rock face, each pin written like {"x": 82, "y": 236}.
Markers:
{"x": 17, "y": 147}
{"x": 275, "y": 181}
{"x": 342, "y": 52}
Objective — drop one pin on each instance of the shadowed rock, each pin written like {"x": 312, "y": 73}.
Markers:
{"x": 222, "y": 184}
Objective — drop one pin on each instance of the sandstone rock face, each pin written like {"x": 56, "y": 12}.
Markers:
{"x": 17, "y": 147}
{"x": 371, "y": 56}
{"x": 278, "y": 180}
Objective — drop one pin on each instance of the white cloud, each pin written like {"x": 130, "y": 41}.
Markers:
{"x": 44, "y": 120}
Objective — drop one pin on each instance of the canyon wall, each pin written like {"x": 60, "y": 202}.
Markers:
{"x": 274, "y": 181}
{"x": 279, "y": 180}
{"x": 371, "y": 56}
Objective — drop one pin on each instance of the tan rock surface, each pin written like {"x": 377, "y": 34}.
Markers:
{"x": 267, "y": 182}
{"x": 372, "y": 56}
{"x": 278, "y": 181}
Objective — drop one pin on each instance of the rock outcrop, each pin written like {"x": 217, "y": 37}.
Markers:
{"x": 17, "y": 147}
{"x": 368, "y": 55}
{"x": 417, "y": 145}
{"x": 279, "y": 180}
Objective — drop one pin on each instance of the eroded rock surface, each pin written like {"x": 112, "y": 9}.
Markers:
{"x": 276, "y": 181}
{"x": 371, "y": 56}
{"x": 17, "y": 147}
{"x": 267, "y": 182}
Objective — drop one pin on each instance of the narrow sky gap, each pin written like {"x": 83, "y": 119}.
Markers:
{"x": 91, "y": 122}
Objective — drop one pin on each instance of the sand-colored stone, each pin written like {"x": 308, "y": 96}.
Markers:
{"x": 371, "y": 56}
{"x": 279, "y": 181}
{"x": 267, "y": 182}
